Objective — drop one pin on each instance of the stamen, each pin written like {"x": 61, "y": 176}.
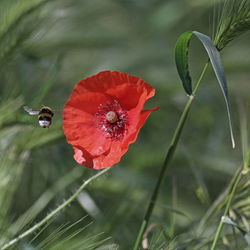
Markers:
{"x": 112, "y": 120}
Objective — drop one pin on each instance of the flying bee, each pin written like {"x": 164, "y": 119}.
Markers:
{"x": 45, "y": 115}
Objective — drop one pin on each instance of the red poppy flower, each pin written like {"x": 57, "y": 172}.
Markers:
{"x": 103, "y": 116}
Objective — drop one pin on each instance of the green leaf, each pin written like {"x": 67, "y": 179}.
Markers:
{"x": 181, "y": 60}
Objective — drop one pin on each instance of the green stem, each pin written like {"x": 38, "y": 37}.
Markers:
{"x": 54, "y": 212}
{"x": 234, "y": 185}
{"x": 167, "y": 160}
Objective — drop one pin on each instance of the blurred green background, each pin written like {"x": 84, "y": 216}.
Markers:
{"x": 46, "y": 47}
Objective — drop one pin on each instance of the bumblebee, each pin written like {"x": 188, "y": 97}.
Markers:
{"x": 45, "y": 115}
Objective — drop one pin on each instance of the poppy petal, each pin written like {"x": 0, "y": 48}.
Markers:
{"x": 133, "y": 132}
{"x": 80, "y": 123}
{"x": 118, "y": 85}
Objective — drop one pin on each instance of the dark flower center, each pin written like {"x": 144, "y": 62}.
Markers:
{"x": 112, "y": 119}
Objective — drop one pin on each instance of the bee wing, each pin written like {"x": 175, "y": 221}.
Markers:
{"x": 30, "y": 110}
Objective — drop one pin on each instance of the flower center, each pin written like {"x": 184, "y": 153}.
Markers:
{"x": 111, "y": 117}
{"x": 112, "y": 120}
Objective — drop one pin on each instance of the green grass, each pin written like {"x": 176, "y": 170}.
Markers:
{"x": 45, "y": 48}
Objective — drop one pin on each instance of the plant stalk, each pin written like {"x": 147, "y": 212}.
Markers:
{"x": 54, "y": 212}
{"x": 234, "y": 185}
{"x": 166, "y": 164}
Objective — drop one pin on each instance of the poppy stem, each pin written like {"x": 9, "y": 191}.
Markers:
{"x": 55, "y": 211}
{"x": 168, "y": 158}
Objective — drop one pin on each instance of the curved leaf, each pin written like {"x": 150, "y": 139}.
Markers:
{"x": 181, "y": 60}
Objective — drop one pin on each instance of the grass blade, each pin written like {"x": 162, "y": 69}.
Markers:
{"x": 181, "y": 59}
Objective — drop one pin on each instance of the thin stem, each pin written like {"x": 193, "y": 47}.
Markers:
{"x": 54, "y": 212}
{"x": 235, "y": 183}
{"x": 167, "y": 160}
